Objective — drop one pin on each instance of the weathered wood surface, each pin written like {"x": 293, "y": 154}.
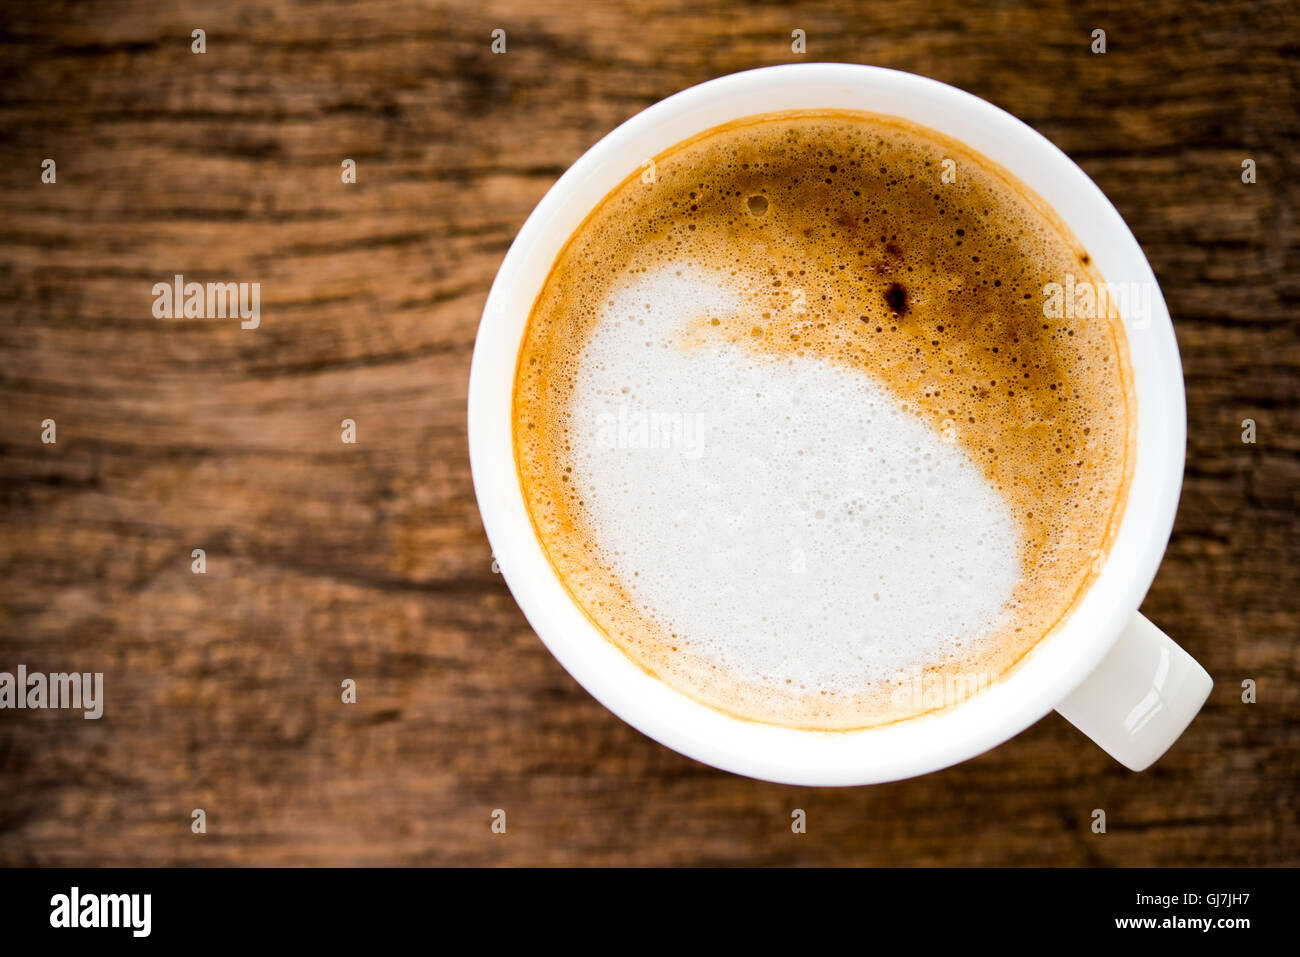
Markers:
{"x": 368, "y": 561}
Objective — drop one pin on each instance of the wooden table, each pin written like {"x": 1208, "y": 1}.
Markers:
{"x": 327, "y": 561}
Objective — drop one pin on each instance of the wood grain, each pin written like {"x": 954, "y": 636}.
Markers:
{"x": 328, "y": 561}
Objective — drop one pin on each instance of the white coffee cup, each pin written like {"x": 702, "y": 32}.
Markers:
{"x": 1107, "y": 669}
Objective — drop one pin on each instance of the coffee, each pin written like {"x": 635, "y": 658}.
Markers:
{"x": 795, "y": 432}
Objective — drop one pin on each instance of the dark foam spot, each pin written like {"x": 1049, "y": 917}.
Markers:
{"x": 896, "y": 298}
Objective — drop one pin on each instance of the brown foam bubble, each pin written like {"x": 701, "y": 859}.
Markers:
{"x": 839, "y": 234}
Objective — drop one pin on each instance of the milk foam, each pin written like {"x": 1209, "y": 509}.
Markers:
{"x": 782, "y": 517}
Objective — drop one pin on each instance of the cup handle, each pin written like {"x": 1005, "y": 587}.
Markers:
{"x": 1142, "y": 696}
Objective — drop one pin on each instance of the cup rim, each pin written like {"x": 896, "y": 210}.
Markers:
{"x": 1059, "y": 662}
